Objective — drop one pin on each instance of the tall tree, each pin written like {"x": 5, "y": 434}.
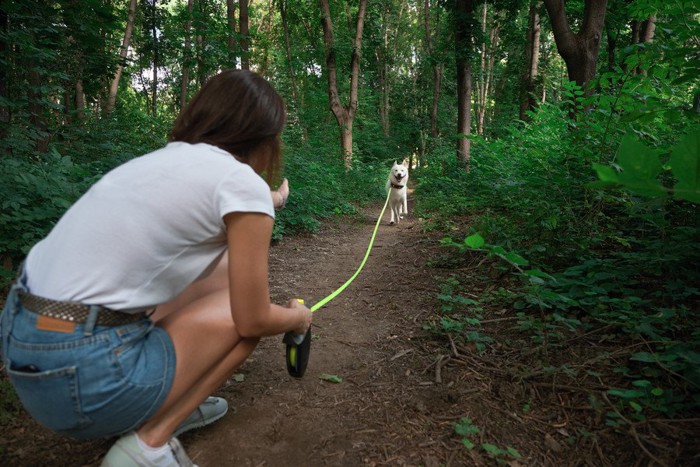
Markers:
{"x": 643, "y": 33}
{"x": 463, "y": 34}
{"x": 4, "y": 110}
{"x": 532, "y": 58}
{"x": 288, "y": 52}
{"x": 386, "y": 53}
{"x": 244, "y": 29}
{"x": 344, "y": 114}
{"x": 436, "y": 64}
{"x": 186, "y": 56}
{"x": 123, "y": 51}
{"x": 579, "y": 50}
{"x": 484, "y": 83}
{"x": 231, "y": 16}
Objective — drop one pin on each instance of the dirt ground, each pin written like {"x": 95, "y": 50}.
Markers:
{"x": 401, "y": 390}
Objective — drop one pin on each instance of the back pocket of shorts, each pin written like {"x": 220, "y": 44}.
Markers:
{"x": 51, "y": 397}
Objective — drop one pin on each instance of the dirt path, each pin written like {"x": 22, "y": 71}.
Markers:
{"x": 364, "y": 337}
{"x": 402, "y": 390}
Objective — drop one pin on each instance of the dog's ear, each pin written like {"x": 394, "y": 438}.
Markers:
{"x": 405, "y": 163}
{"x": 395, "y": 163}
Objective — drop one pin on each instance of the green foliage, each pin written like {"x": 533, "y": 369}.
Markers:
{"x": 321, "y": 187}
{"x": 10, "y": 405}
{"x": 34, "y": 195}
{"x": 460, "y": 316}
{"x": 619, "y": 251}
{"x": 468, "y": 431}
{"x": 639, "y": 167}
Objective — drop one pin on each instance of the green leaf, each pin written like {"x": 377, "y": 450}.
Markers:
{"x": 239, "y": 378}
{"x": 641, "y": 167}
{"x": 516, "y": 259}
{"x": 685, "y": 165}
{"x": 644, "y": 357}
{"x": 536, "y": 272}
{"x": 468, "y": 443}
{"x": 606, "y": 173}
{"x": 492, "y": 449}
{"x": 475, "y": 241}
{"x": 513, "y": 452}
{"x": 331, "y": 378}
{"x": 641, "y": 383}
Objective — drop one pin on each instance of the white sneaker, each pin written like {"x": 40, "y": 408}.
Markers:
{"x": 127, "y": 452}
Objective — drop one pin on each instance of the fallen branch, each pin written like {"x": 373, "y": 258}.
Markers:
{"x": 442, "y": 361}
{"x": 633, "y": 431}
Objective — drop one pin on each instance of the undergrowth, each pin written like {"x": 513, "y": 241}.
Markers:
{"x": 598, "y": 231}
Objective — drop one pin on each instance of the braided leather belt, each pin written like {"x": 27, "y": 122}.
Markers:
{"x": 76, "y": 312}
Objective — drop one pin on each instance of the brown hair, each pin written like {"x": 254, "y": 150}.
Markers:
{"x": 239, "y": 112}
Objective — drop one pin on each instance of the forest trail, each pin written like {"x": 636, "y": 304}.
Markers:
{"x": 367, "y": 336}
{"x": 401, "y": 391}
{"x": 364, "y": 337}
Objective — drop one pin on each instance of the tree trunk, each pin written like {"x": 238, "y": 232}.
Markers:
{"x": 481, "y": 79}
{"x": 79, "y": 100}
{"x": 438, "y": 72}
{"x": 266, "y": 28}
{"x": 465, "y": 11}
{"x": 488, "y": 90}
{"x": 36, "y": 116}
{"x": 231, "y": 16}
{"x": 244, "y": 30}
{"x": 648, "y": 28}
{"x": 532, "y": 58}
{"x": 187, "y": 56}
{"x": 487, "y": 61}
{"x": 612, "y": 47}
{"x": 4, "y": 97}
{"x": 580, "y": 50}
{"x": 297, "y": 104}
{"x": 114, "y": 87}
{"x": 643, "y": 33}
{"x": 344, "y": 114}
{"x": 384, "y": 55}
{"x": 155, "y": 63}
{"x": 383, "y": 94}
{"x": 438, "y": 69}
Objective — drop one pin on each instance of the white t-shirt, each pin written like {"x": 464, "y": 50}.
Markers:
{"x": 147, "y": 229}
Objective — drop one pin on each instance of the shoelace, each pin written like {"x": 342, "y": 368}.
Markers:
{"x": 180, "y": 455}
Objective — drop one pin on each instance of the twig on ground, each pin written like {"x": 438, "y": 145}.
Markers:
{"x": 633, "y": 431}
{"x": 442, "y": 361}
{"x": 454, "y": 347}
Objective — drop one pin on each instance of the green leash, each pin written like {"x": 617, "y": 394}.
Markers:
{"x": 299, "y": 345}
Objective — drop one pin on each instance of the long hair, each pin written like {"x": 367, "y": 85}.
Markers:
{"x": 239, "y": 112}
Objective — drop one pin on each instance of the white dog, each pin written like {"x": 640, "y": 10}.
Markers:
{"x": 398, "y": 199}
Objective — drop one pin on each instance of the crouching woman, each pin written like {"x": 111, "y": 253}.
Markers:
{"x": 152, "y": 289}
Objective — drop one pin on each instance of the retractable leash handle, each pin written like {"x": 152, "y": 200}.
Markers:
{"x": 298, "y": 350}
{"x": 299, "y": 345}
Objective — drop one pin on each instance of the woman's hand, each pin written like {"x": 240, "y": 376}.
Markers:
{"x": 304, "y": 316}
{"x": 280, "y": 195}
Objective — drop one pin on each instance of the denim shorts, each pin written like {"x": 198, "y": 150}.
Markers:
{"x": 88, "y": 383}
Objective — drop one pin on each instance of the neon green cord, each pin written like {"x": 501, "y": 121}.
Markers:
{"x": 364, "y": 260}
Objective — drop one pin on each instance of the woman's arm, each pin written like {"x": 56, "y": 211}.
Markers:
{"x": 280, "y": 195}
{"x": 248, "y": 246}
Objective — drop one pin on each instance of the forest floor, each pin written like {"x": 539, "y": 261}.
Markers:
{"x": 399, "y": 389}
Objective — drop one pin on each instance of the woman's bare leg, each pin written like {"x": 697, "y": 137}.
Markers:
{"x": 207, "y": 346}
